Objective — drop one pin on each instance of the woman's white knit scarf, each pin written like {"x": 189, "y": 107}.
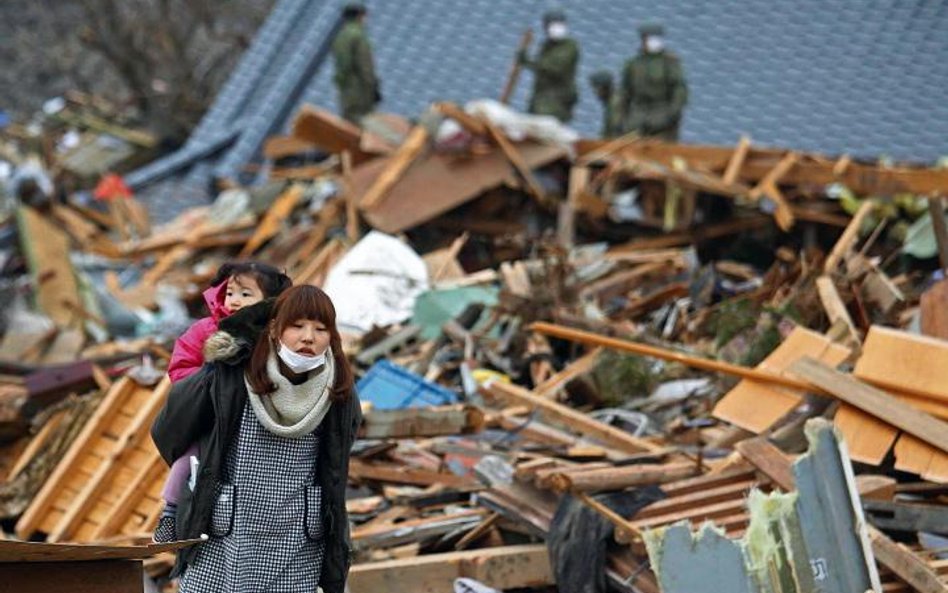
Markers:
{"x": 293, "y": 411}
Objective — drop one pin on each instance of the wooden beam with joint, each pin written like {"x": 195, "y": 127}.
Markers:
{"x": 769, "y": 186}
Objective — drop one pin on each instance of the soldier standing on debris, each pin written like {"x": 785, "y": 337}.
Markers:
{"x": 602, "y": 84}
{"x": 653, "y": 92}
{"x": 355, "y": 71}
{"x": 554, "y": 70}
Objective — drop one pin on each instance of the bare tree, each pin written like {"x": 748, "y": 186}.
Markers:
{"x": 170, "y": 55}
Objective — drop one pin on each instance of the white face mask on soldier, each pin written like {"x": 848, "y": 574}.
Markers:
{"x": 557, "y": 30}
{"x": 654, "y": 44}
{"x": 299, "y": 363}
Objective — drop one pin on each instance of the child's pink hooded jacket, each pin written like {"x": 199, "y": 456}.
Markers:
{"x": 187, "y": 356}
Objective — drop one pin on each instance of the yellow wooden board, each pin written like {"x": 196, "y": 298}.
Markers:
{"x": 868, "y": 439}
{"x": 905, "y": 363}
{"x": 756, "y": 407}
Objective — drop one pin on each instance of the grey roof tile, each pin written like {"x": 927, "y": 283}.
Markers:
{"x": 834, "y": 76}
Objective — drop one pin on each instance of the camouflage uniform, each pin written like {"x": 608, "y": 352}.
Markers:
{"x": 601, "y": 82}
{"x": 355, "y": 72}
{"x": 653, "y": 94}
{"x": 554, "y": 75}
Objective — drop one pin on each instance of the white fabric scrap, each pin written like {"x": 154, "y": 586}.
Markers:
{"x": 376, "y": 283}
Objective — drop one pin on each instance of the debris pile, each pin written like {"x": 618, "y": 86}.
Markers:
{"x": 570, "y": 354}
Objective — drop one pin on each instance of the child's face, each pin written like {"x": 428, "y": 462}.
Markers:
{"x": 306, "y": 336}
{"x": 242, "y": 291}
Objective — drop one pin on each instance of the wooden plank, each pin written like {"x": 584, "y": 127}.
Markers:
{"x": 906, "y": 565}
{"x": 577, "y": 421}
{"x": 515, "y": 68}
{"x": 737, "y": 490}
{"x": 905, "y": 363}
{"x": 732, "y": 173}
{"x": 619, "y": 478}
{"x": 574, "y": 369}
{"x": 506, "y": 567}
{"x": 52, "y": 488}
{"x": 873, "y": 401}
{"x": 868, "y": 439}
{"x": 281, "y": 208}
{"x": 934, "y": 310}
{"x": 835, "y": 309}
{"x": 47, "y": 253}
{"x": 848, "y": 238}
{"x": 755, "y": 406}
{"x": 516, "y": 159}
{"x": 136, "y": 432}
{"x": 915, "y": 456}
{"x": 441, "y": 182}
{"x": 398, "y": 474}
{"x": 395, "y": 168}
{"x": 130, "y": 497}
{"x": 770, "y": 460}
{"x": 863, "y": 179}
{"x": 936, "y": 209}
{"x": 421, "y": 422}
{"x": 566, "y": 222}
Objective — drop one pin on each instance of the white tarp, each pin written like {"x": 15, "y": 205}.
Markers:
{"x": 376, "y": 283}
{"x": 520, "y": 126}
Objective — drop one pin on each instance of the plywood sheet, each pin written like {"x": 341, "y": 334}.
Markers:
{"x": 47, "y": 253}
{"x": 917, "y": 457}
{"x": 868, "y": 439}
{"x": 905, "y": 363}
{"x": 439, "y": 183}
{"x": 756, "y": 407}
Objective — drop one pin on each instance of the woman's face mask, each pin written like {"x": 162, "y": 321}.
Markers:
{"x": 303, "y": 345}
{"x": 557, "y": 30}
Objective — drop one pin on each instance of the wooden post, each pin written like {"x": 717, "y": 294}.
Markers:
{"x": 848, "y": 238}
{"x": 516, "y": 67}
{"x": 578, "y": 178}
{"x": 733, "y": 171}
{"x": 937, "y": 211}
{"x": 352, "y": 208}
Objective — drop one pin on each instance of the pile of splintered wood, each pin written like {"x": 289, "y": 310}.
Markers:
{"x": 614, "y": 357}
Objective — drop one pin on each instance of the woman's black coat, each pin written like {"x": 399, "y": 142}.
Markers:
{"x": 207, "y": 408}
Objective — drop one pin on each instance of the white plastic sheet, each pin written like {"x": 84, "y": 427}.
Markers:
{"x": 376, "y": 283}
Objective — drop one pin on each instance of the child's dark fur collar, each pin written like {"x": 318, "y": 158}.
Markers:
{"x": 238, "y": 333}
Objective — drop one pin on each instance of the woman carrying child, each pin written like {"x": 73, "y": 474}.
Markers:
{"x": 235, "y": 286}
{"x": 275, "y": 415}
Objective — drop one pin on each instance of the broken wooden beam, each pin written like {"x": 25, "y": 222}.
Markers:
{"x": 421, "y": 422}
{"x": 397, "y": 164}
{"x": 577, "y": 421}
{"x": 506, "y": 567}
{"x": 733, "y": 171}
{"x": 619, "y": 478}
{"x": 848, "y": 238}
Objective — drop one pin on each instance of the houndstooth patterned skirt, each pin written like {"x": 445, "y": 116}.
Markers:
{"x": 266, "y": 529}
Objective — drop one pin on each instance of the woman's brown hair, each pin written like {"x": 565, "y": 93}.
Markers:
{"x": 299, "y": 302}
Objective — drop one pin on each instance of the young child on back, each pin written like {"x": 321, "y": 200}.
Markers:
{"x": 235, "y": 286}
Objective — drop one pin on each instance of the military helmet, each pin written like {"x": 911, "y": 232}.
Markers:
{"x": 554, "y": 16}
{"x": 601, "y": 78}
{"x": 651, "y": 28}
{"x": 354, "y": 9}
